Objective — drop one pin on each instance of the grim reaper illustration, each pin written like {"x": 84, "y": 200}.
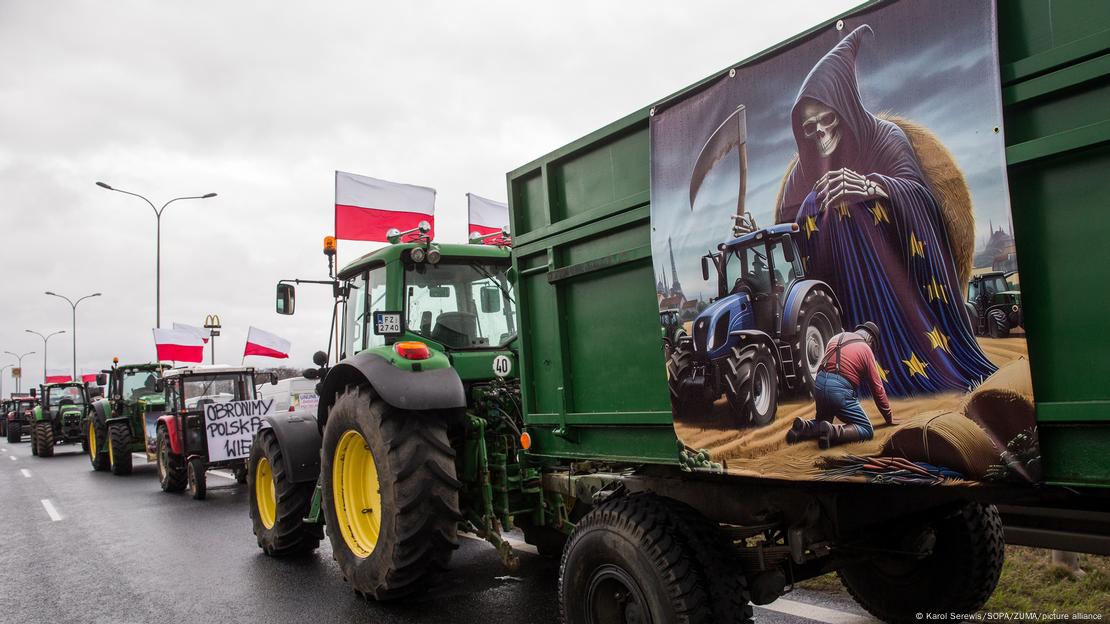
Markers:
{"x": 886, "y": 220}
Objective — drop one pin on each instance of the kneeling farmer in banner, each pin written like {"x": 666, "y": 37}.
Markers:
{"x": 848, "y": 362}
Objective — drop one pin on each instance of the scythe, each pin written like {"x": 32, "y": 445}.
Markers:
{"x": 731, "y": 135}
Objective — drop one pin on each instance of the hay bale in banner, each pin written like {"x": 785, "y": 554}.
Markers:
{"x": 1003, "y": 404}
{"x": 948, "y": 440}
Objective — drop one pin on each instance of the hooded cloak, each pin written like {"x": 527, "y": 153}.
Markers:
{"x": 888, "y": 260}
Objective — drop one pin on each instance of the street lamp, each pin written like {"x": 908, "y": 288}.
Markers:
{"x": 2, "y": 369}
{"x": 72, "y": 304}
{"x": 44, "y": 339}
{"x": 158, "y": 247}
{"x": 20, "y": 358}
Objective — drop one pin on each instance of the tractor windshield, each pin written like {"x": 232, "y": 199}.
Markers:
{"x": 460, "y": 305}
{"x": 201, "y": 390}
{"x": 139, "y": 383}
{"x": 69, "y": 394}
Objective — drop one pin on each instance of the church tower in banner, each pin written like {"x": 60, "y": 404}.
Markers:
{"x": 676, "y": 288}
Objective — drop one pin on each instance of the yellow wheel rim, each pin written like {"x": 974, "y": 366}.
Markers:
{"x": 356, "y": 493}
{"x": 111, "y": 455}
{"x": 92, "y": 440}
{"x": 265, "y": 495}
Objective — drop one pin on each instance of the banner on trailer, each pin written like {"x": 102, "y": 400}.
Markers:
{"x": 836, "y": 266}
{"x": 231, "y": 426}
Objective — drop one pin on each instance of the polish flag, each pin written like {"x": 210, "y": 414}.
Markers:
{"x": 196, "y": 331}
{"x": 366, "y": 208}
{"x": 486, "y": 216}
{"x": 266, "y": 344}
{"x": 178, "y": 346}
{"x": 88, "y": 376}
{"x": 58, "y": 375}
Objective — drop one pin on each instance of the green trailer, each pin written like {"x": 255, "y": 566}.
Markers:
{"x": 564, "y": 424}
{"x": 124, "y": 421}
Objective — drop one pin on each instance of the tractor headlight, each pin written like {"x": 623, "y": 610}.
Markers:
{"x": 434, "y": 256}
{"x": 417, "y": 254}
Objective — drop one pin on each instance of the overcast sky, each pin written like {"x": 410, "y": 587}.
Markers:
{"x": 261, "y": 102}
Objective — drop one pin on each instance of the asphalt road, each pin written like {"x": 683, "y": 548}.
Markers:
{"x": 86, "y": 546}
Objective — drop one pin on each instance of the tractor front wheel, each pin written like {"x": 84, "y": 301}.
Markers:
{"x": 818, "y": 321}
{"x": 390, "y": 495}
{"x": 97, "y": 437}
{"x": 680, "y": 365}
{"x": 44, "y": 439}
{"x": 277, "y": 505}
{"x": 119, "y": 448}
{"x": 171, "y": 469}
{"x": 198, "y": 478}
{"x": 752, "y": 385}
{"x": 15, "y": 432}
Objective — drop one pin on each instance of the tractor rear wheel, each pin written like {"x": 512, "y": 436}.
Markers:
{"x": 629, "y": 560}
{"x": 751, "y": 385}
{"x": 98, "y": 437}
{"x": 34, "y": 441}
{"x": 997, "y": 323}
{"x": 818, "y": 321}
{"x": 171, "y": 469}
{"x": 119, "y": 448}
{"x": 198, "y": 478}
{"x": 277, "y": 505}
{"x": 15, "y": 432}
{"x": 958, "y": 576}
{"x": 44, "y": 438}
{"x": 390, "y": 496}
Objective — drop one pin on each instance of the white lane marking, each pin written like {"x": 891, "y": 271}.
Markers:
{"x": 26, "y": 473}
{"x": 221, "y": 473}
{"x": 814, "y": 612}
{"x": 11, "y": 457}
{"x": 50, "y": 510}
{"x": 4, "y": 449}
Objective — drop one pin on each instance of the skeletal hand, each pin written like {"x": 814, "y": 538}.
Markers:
{"x": 845, "y": 185}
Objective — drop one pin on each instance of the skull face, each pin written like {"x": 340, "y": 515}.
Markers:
{"x": 821, "y": 125}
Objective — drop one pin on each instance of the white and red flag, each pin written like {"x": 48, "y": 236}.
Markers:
{"x": 197, "y": 331}
{"x": 366, "y": 208}
{"x": 88, "y": 376}
{"x": 486, "y": 216}
{"x": 264, "y": 343}
{"x": 58, "y": 375}
{"x": 178, "y": 345}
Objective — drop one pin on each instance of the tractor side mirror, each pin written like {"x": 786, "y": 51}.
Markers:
{"x": 788, "y": 250}
{"x": 101, "y": 379}
{"x": 159, "y": 386}
{"x": 320, "y": 358}
{"x": 273, "y": 379}
{"x": 286, "y": 299}
{"x": 491, "y": 299}
{"x": 32, "y": 393}
{"x": 705, "y": 268}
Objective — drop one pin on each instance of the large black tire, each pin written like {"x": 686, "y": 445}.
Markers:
{"x": 171, "y": 467}
{"x": 959, "y": 576}
{"x": 97, "y": 436}
{"x": 119, "y": 441}
{"x": 34, "y": 441}
{"x": 15, "y": 432}
{"x": 997, "y": 324}
{"x": 197, "y": 475}
{"x": 44, "y": 439}
{"x": 419, "y": 494}
{"x": 240, "y": 474}
{"x": 818, "y": 321}
{"x": 679, "y": 366}
{"x": 629, "y": 561}
{"x": 288, "y": 534}
{"x": 751, "y": 384}
{"x": 3, "y": 425}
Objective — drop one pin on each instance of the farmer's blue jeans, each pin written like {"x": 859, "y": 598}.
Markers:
{"x": 836, "y": 398}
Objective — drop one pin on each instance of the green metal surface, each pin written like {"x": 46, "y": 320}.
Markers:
{"x": 592, "y": 371}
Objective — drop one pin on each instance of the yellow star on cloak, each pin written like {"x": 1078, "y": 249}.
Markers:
{"x": 937, "y": 339}
{"x": 936, "y": 290}
{"x": 842, "y": 210}
{"x": 879, "y": 213}
{"x": 882, "y": 372}
{"x": 916, "y": 366}
{"x": 810, "y": 226}
{"x": 917, "y": 247}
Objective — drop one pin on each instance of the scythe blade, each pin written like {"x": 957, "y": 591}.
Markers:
{"x": 732, "y": 134}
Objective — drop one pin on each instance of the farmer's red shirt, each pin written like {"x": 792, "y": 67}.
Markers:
{"x": 857, "y": 363}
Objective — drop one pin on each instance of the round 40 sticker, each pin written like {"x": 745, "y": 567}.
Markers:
{"x": 502, "y": 366}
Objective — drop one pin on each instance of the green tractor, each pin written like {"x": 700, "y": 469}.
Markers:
{"x": 60, "y": 415}
{"x": 124, "y": 421}
{"x": 418, "y": 429}
{"x": 994, "y": 304}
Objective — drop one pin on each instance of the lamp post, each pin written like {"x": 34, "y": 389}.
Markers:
{"x": 20, "y": 359}
{"x": 2, "y": 369}
{"x": 158, "y": 244}
{"x": 44, "y": 339}
{"x": 72, "y": 304}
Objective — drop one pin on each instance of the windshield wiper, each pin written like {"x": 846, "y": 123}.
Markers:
{"x": 505, "y": 291}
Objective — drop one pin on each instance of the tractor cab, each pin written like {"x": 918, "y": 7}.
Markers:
{"x": 994, "y": 303}
{"x": 760, "y": 265}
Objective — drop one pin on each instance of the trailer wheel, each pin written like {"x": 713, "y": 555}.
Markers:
{"x": 15, "y": 432}
{"x": 818, "y": 321}
{"x": 390, "y": 496}
{"x": 959, "y": 576}
{"x": 198, "y": 478}
{"x": 119, "y": 448}
{"x": 751, "y": 385}
{"x": 628, "y": 561}
{"x": 278, "y": 506}
{"x": 96, "y": 436}
{"x": 997, "y": 323}
{"x": 171, "y": 472}
{"x": 44, "y": 439}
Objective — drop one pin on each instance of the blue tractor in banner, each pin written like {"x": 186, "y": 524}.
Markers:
{"x": 767, "y": 328}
